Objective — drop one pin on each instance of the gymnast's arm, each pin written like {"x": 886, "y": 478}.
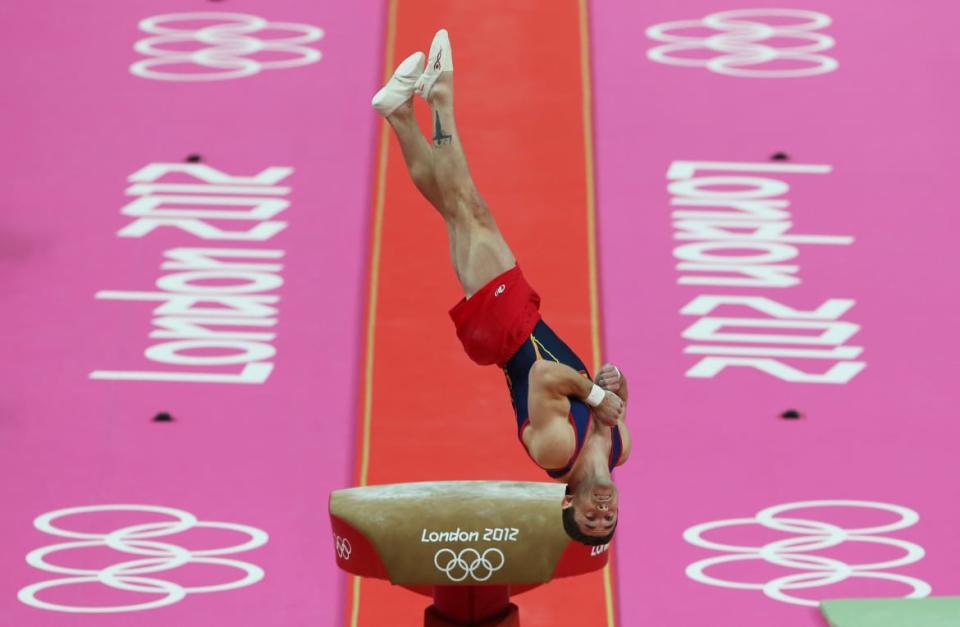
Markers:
{"x": 610, "y": 378}
{"x": 549, "y": 438}
{"x": 622, "y": 390}
{"x": 550, "y": 385}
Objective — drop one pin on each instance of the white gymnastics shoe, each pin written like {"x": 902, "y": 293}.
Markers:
{"x": 440, "y": 60}
{"x": 399, "y": 88}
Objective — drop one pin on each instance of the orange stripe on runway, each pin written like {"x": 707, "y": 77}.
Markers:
{"x": 427, "y": 412}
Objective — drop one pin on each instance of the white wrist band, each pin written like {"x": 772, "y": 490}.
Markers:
{"x": 596, "y": 396}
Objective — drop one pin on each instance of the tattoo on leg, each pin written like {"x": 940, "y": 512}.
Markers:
{"x": 438, "y": 135}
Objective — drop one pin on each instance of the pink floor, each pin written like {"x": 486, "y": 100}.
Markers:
{"x": 866, "y": 307}
{"x": 712, "y": 447}
{"x": 263, "y": 455}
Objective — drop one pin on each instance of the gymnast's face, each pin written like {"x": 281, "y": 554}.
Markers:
{"x": 595, "y": 508}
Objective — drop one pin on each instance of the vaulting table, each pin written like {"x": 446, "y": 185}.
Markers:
{"x": 468, "y": 544}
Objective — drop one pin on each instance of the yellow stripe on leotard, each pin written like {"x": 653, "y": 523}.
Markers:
{"x": 538, "y": 345}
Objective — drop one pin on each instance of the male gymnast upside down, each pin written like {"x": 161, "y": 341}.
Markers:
{"x": 570, "y": 426}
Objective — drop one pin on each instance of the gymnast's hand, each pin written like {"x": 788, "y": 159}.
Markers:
{"x": 609, "y": 378}
{"x": 610, "y": 410}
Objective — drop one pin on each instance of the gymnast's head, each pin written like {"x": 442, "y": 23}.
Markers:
{"x": 589, "y": 511}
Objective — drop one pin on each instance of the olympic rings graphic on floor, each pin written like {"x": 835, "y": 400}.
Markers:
{"x": 343, "y": 547}
{"x": 740, "y": 47}
{"x": 138, "y": 540}
{"x": 814, "y": 535}
{"x": 469, "y": 563}
{"x": 227, "y": 46}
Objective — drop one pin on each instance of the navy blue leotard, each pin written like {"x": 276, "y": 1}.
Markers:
{"x": 543, "y": 343}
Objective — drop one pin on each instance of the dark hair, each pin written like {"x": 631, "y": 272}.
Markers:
{"x": 573, "y": 530}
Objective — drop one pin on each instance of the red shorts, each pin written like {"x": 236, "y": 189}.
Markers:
{"x": 493, "y": 323}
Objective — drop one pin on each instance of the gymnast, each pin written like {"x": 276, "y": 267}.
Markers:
{"x": 571, "y": 427}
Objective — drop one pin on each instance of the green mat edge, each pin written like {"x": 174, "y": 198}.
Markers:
{"x": 926, "y": 612}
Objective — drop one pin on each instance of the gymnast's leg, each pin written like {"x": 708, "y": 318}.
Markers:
{"x": 439, "y": 170}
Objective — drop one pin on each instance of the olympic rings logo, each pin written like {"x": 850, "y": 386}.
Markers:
{"x": 739, "y": 43}
{"x": 469, "y": 563}
{"x": 815, "y": 535}
{"x": 228, "y": 46}
{"x": 136, "y": 575}
{"x": 343, "y": 547}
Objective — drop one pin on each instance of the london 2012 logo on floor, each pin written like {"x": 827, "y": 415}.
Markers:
{"x": 153, "y": 554}
{"x": 216, "y": 46}
{"x": 799, "y": 551}
{"x": 741, "y": 43}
